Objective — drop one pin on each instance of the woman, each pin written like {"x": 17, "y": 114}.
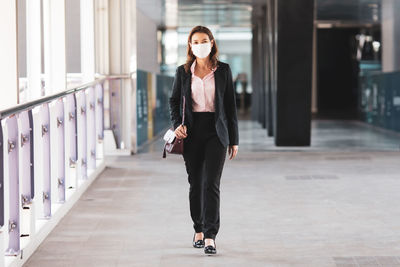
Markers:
{"x": 210, "y": 127}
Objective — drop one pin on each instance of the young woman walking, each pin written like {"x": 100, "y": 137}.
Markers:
{"x": 210, "y": 127}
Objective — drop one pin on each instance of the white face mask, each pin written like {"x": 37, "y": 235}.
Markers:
{"x": 201, "y": 50}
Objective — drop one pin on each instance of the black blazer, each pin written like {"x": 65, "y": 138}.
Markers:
{"x": 225, "y": 104}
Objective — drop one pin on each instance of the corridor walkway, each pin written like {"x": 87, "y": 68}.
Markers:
{"x": 334, "y": 204}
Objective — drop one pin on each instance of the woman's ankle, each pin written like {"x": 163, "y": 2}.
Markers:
{"x": 209, "y": 242}
{"x": 199, "y": 236}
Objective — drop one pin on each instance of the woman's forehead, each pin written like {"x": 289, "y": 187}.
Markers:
{"x": 200, "y": 36}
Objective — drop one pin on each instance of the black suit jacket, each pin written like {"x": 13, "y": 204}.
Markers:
{"x": 225, "y": 105}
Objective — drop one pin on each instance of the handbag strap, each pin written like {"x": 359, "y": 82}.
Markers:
{"x": 183, "y": 111}
{"x": 183, "y": 120}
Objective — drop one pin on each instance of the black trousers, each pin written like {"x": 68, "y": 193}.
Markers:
{"x": 204, "y": 157}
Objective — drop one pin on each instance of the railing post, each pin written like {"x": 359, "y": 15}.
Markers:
{"x": 91, "y": 128}
{"x": 25, "y": 170}
{"x": 82, "y": 134}
{"x": 57, "y": 150}
{"x": 38, "y": 170}
{"x": 99, "y": 120}
{"x": 46, "y": 164}
{"x": 41, "y": 132}
{"x": 12, "y": 187}
{"x": 71, "y": 142}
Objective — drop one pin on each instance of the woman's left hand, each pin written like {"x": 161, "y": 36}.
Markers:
{"x": 233, "y": 151}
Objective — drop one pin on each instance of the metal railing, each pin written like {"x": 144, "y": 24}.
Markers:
{"x": 50, "y": 147}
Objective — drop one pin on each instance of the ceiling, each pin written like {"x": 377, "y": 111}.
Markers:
{"x": 237, "y": 13}
{"x": 188, "y": 13}
{"x": 360, "y": 11}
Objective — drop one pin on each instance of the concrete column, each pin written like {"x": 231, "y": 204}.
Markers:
{"x": 294, "y": 72}
{"x": 123, "y": 60}
{"x": 390, "y": 35}
{"x": 8, "y": 55}
{"x": 129, "y": 57}
{"x": 101, "y": 37}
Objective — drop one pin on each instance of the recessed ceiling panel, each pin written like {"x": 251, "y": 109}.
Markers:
{"x": 361, "y": 11}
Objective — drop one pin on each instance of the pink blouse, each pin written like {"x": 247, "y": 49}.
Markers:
{"x": 203, "y": 91}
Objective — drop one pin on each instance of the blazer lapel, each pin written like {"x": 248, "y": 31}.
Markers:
{"x": 187, "y": 87}
{"x": 219, "y": 88}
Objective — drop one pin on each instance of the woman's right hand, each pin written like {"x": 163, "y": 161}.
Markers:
{"x": 180, "y": 131}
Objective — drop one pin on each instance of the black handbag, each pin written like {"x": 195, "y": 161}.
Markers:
{"x": 173, "y": 144}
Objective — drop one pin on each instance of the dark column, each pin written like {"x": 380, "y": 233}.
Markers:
{"x": 294, "y": 72}
{"x": 254, "y": 67}
{"x": 258, "y": 65}
{"x": 270, "y": 69}
{"x": 263, "y": 63}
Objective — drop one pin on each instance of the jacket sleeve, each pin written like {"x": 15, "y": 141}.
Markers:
{"x": 175, "y": 100}
{"x": 230, "y": 109}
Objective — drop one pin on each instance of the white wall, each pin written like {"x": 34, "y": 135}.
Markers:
{"x": 8, "y": 55}
{"x": 146, "y": 43}
{"x": 21, "y": 7}
{"x": 73, "y": 38}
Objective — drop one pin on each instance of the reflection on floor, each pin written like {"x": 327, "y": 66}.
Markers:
{"x": 333, "y": 204}
{"x": 326, "y": 135}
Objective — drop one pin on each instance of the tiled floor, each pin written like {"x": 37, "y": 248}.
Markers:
{"x": 333, "y": 204}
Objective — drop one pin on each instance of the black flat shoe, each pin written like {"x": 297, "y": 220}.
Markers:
{"x": 198, "y": 243}
{"x": 210, "y": 250}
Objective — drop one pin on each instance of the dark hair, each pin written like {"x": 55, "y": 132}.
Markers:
{"x": 213, "y": 56}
